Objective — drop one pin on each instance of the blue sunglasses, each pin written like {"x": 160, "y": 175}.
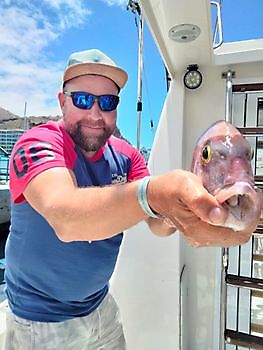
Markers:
{"x": 85, "y": 100}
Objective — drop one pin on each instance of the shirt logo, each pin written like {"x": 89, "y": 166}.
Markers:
{"x": 36, "y": 152}
{"x": 119, "y": 179}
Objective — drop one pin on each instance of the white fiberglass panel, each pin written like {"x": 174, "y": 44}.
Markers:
{"x": 146, "y": 282}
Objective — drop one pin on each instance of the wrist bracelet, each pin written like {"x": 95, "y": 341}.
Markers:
{"x": 142, "y": 197}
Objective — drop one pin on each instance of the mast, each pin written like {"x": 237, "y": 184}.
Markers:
{"x": 135, "y": 8}
{"x": 25, "y": 117}
{"x": 140, "y": 68}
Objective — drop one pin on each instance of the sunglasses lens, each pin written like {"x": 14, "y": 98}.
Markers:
{"x": 85, "y": 100}
{"x": 108, "y": 102}
{"x": 82, "y": 100}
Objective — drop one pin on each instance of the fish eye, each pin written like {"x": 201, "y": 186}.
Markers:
{"x": 206, "y": 154}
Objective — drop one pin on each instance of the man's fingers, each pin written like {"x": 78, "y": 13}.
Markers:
{"x": 181, "y": 197}
{"x": 200, "y": 202}
{"x": 217, "y": 216}
{"x": 202, "y": 234}
{"x": 168, "y": 191}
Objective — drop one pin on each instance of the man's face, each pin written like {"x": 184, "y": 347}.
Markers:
{"x": 90, "y": 128}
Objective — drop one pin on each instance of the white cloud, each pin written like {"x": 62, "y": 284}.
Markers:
{"x": 26, "y": 74}
{"x": 22, "y": 37}
{"x": 122, "y": 3}
{"x": 31, "y": 83}
{"x": 69, "y": 13}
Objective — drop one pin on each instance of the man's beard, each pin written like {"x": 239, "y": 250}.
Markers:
{"x": 89, "y": 143}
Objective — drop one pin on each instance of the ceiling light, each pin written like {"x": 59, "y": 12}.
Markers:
{"x": 184, "y": 33}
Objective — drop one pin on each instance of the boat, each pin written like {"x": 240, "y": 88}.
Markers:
{"x": 8, "y": 138}
{"x": 4, "y": 187}
{"x": 4, "y": 202}
{"x": 173, "y": 296}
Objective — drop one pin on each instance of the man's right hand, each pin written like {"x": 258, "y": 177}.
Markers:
{"x": 180, "y": 196}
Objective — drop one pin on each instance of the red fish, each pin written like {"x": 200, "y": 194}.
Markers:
{"x": 222, "y": 159}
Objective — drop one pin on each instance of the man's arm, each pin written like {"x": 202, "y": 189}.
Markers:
{"x": 180, "y": 197}
{"x": 61, "y": 183}
{"x": 95, "y": 213}
{"x": 90, "y": 213}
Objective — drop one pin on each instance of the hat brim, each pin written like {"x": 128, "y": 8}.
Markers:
{"x": 116, "y": 74}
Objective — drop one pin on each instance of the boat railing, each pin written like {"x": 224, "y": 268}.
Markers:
{"x": 239, "y": 281}
{"x": 4, "y": 168}
{"x": 218, "y": 29}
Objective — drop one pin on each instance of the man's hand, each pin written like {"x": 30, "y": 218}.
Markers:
{"x": 162, "y": 226}
{"x": 181, "y": 197}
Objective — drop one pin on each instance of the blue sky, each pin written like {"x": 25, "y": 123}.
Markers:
{"x": 38, "y": 36}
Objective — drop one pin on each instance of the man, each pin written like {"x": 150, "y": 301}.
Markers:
{"x": 75, "y": 188}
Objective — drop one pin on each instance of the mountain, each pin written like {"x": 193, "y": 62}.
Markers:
{"x": 11, "y": 121}
{"x": 6, "y": 115}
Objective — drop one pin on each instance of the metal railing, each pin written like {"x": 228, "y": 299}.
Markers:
{"x": 218, "y": 28}
{"x": 4, "y": 168}
{"x": 225, "y": 251}
{"x": 244, "y": 340}
{"x": 255, "y": 285}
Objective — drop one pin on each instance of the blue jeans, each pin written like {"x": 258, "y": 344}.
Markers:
{"x": 100, "y": 330}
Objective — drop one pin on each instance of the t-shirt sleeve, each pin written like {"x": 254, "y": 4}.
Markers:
{"x": 138, "y": 166}
{"x": 39, "y": 149}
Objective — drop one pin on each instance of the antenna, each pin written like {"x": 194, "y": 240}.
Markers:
{"x": 25, "y": 117}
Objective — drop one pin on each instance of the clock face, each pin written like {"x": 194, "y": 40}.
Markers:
{"x": 192, "y": 79}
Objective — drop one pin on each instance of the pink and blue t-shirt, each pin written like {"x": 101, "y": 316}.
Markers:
{"x": 49, "y": 280}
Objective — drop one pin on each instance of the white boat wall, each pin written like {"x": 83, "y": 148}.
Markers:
{"x": 170, "y": 294}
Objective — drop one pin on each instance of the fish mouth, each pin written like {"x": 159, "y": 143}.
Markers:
{"x": 242, "y": 202}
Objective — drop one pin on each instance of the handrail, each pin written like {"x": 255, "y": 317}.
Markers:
{"x": 243, "y": 339}
{"x": 218, "y": 25}
{"x": 180, "y": 308}
{"x": 244, "y": 282}
{"x": 229, "y": 97}
{"x": 5, "y": 153}
{"x": 225, "y": 251}
{"x": 223, "y": 296}
{"x": 258, "y": 179}
{"x": 258, "y": 231}
{"x": 251, "y": 131}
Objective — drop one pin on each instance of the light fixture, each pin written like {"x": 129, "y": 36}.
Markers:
{"x": 184, "y": 33}
{"x": 192, "y": 78}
